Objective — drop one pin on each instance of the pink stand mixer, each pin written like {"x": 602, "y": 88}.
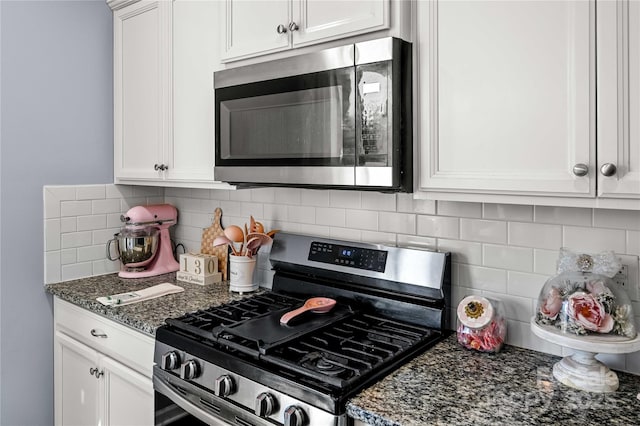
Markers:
{"x": 144, "y": 244}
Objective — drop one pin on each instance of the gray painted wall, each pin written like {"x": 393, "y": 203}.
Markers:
{"x": 56, "y": 128}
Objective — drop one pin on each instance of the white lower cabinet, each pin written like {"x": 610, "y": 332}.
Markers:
{"x": 98, "y": 381}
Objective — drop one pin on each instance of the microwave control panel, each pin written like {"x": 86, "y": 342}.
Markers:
{"x": 352, "y": 257}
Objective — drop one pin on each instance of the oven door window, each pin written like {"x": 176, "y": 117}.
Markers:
{"x": 305, "y": 120}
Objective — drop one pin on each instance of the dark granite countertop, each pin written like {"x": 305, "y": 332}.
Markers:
{"x": 144, "y": 316}
{"x": 447, "y": 385}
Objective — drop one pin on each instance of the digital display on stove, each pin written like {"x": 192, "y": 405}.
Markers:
{"x": 353, "y": 257}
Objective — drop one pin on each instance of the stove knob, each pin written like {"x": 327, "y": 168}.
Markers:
{"x": 294, "y": 416}
{"x": 189, "y": 370}
{"x": 224, "y": 386}
{"x": 170, "y": 360}
{"x": 265, "y": 405}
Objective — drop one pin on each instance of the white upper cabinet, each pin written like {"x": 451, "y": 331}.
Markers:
{"x": 509, "y": 101}
{"x": 506, "y": 96}
{"x": 141, "y": 64}
{"x": 618, "y": 99}
{"x": 252, "y": 28}
{"x": 165, "y": 53}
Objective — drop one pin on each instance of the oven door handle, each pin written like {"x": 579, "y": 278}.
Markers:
{"x": 165, "y": 389}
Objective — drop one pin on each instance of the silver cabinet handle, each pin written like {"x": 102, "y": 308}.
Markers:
{"x": 608, "y": 169}
{"x": 293, "y": 26}
{"x": 580, "y": 169}
{"x": 161, "y": 167}
{"x": 281, "y": 29}
{"x": 93, "y": 371}
{"x": 99, "y": 373}
{"x": 156, "y": 167}
{"x": 95, "y": 333}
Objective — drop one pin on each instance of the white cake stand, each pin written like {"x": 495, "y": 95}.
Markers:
{"x": 582, "y": 370}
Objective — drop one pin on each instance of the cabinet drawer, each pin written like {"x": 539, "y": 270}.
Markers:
{"x": 130, "y": 347}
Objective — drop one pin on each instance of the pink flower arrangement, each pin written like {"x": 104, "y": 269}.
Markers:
{"x": 583, "y": 304}
{"x": 587, "y": 311}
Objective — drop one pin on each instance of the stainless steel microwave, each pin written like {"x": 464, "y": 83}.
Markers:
{"x": 336, "y": 118}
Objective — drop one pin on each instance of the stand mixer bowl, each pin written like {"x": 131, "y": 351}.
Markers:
{"x": 136, "y": 247}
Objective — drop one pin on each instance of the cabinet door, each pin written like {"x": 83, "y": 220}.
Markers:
{"x": 128, "y": 396}
{"x": 141, "y": 88}
{"x": 76, "y": 389}
{"x": 507, "y": 96}
{"x": 619, "y": 98}
{"x": 195, "y": 58}
{"x": 323, "y": 20}
{"x": 249, "y": 28}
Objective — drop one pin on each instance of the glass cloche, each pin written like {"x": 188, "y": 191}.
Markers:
{"x": 583, "y": 300}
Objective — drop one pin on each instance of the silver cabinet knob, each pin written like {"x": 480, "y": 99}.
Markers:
{"x": 580, "y": 169}
{"x": 608, "y": 169}
{"x": 293, "y": 26}
{"x": 156, "y": 167}
{"x": 161, "y": 167}
{"x": 281, "y": 29}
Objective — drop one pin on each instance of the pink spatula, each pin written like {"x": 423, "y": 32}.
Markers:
{"x": 315, "y": 304}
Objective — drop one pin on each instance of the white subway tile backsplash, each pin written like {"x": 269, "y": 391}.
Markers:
{"x": 288, "y": 196}
{"x": 90, "y": 223}
{"x": 405, "y": 240}
{"x": 51, "y": 234}
{"x": 68, "y": 224}
{"x": 535, "y": 235}
{"x": 506, "y": 257}
{"x": 379, "y": 237}
{"x": 458, "y": 209}
{"x": 633, "y": 242}
{"x": 315, "y": 197}
{"x": 545, "y": 262}
{"x": 75, "y": 208}
{"x": 331, "y": 216}
{"x": 594, "y": 240}
{"x": 263, "y": 195}
{"x": 438, "y": 226}
{"x": 401, "y": 223}
{"x": 378, "y": 201}
{"x": 301, "y": 214}
{"x": 481, "y": 278}
{"x": 462, "y": 251}
{"x": 502, "y": 251}
{"x": 507, "y": 212}
{"x": 345, "y": 199}
{"x": 76, "y": 239}
{"x": 76, "y": 271}
{"x": 562, "y": 215}
{"x": 91, "y": 253}
{"x": 90, "y": 192}
{"x": 525, "y": 284}
{"x": 489, "y": 231}
{"x": 405, "y": 203}
{"x": 619, "y": 219}
{"x": 362, "y": 219}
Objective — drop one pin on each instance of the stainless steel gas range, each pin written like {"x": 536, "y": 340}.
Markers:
{"x": 238, "y": 364}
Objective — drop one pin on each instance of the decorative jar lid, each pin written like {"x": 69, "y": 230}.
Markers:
{"x": 583, "y": 300}
{"x": 475, "y": 311}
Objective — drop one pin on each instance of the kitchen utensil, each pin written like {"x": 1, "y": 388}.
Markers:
{"x": 255, "y": 241}
{"x": 144, "y": 243}
{"x": 208, "y": 237}
{"x": 221, "y": 240}
{"x": 315, "y": 304}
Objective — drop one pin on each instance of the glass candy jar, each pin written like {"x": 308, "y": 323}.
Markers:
{"x": 481, "y": 324}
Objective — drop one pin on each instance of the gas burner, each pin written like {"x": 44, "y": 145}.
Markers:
{"x": 322, "y": 363}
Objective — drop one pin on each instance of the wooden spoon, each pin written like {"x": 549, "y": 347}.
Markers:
{"x": 315, "y": 304}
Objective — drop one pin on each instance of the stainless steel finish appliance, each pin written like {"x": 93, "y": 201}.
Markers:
{"x": 238, "y": 364}
{"x": 336, "y": 118}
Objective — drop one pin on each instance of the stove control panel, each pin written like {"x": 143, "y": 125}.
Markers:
{"x": 349, "y": 256}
